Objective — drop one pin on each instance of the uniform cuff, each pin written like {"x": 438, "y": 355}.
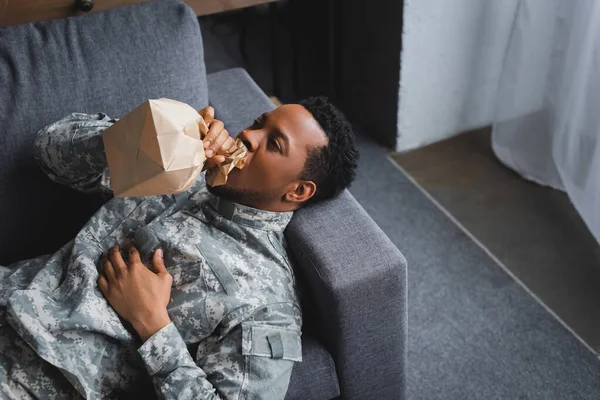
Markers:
{"x": 165, "y": 351}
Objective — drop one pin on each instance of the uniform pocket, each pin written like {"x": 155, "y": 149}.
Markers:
{"x": 120, "y": 218}
{"x": 269, "y": 355}
{"x": 146, "y": 242}
{"x": 271, "y": 341}
{"x": 185, "y": 272}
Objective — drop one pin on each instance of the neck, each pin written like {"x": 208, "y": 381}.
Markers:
{"x": 263, "y": 201}
{"x": 278, "y": 206}
{"x": 248, "y": 215}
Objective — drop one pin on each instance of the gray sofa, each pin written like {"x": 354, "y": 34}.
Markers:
{"x": 352, "y": 277}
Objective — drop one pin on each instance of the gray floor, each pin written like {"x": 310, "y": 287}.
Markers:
{"x": 534, "y": 231}
{"x": 474, "y": 333}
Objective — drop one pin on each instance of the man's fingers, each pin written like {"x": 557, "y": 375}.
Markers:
{"x": 103, "y": 284}
{"x": 158, "y": 262}
{"x": 202, "y": 125}
{"x": 109, "y": 270}
{"x": 117, "y": 261}
{"x": 215, "y": 128}
{"x": 214, "y": 161}
{"x": 216, "y": 144}
{"x": 208, "y": 113}
{"x": 227, "y": 145}
{"x": 134, "y": 255}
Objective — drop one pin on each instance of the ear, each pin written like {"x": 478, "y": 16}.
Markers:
{"x": 300, "y": 191}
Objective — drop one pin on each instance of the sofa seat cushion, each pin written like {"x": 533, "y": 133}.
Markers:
{"x": 315, "y": 377}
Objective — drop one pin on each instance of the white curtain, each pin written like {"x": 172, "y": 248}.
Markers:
{"x": 547, "y": 121}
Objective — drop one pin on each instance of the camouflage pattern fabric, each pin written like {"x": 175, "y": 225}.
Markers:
{"x": 236, "y": 318}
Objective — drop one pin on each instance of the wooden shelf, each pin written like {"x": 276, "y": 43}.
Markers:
{"x": 14, "y": 12}
{"x": 206, "y": 7}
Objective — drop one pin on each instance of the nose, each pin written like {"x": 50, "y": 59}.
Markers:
{"x": 251, "y": 139}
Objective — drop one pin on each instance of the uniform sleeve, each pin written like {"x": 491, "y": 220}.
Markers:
{"x": 71, "y": 152}
{"x": 252, "y": 361}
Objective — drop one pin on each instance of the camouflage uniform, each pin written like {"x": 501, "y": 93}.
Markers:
{"x": 236, "y": 318}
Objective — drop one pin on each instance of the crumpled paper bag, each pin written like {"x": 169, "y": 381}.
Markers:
{"x": 156, "y": 149}
{"x": 235, "y": 158}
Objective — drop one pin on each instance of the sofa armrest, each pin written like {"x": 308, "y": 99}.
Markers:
{"x": 357, "y": 280}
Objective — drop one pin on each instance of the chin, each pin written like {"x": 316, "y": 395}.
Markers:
{"x": 218, "y": 190}
{"x": 247, "y": 197}
{"x": 228, "y": 192}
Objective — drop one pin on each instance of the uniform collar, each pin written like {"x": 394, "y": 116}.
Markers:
{"x": 251, "y": 217}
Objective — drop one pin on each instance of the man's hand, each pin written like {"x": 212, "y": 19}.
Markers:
{"x": 137, "y": 294}
{"x": 217, "y": 140}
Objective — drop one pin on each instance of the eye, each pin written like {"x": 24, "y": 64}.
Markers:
{"x": 258, "y": 122}
{"x": 275, "y": 144}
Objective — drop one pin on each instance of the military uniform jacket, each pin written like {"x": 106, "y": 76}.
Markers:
{"x": 236, "y": 321}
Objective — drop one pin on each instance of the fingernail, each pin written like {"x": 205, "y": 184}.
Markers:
{"x": 160, "y": 253}
{"x": 206, "y": 144}
{"x": 209, "y": 153}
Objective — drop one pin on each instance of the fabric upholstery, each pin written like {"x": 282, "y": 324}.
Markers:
{"x": 237, "y": 99}
{"x": 108, "y": 61}
{"x": 315, "y": 377}
{"x": 352, "y": 275}
{"x": 357, "y": 281}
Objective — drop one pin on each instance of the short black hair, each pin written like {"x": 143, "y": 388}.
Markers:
{"x": 331, "y": 167}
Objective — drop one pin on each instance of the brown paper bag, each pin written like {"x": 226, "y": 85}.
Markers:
{"x": 156, "y": 149}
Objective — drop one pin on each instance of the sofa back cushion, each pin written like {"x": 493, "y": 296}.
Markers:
{"x": 108, "y": 62}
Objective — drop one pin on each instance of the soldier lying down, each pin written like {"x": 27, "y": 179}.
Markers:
{"x": 216, "y": 313}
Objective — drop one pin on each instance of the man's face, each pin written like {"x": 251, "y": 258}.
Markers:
{"x": 278, "y": 143}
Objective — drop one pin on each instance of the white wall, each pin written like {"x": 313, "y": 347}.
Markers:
{"x": 452, "y": 53}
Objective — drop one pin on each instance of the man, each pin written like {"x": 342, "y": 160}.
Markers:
{"x": 217, "y": 314}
